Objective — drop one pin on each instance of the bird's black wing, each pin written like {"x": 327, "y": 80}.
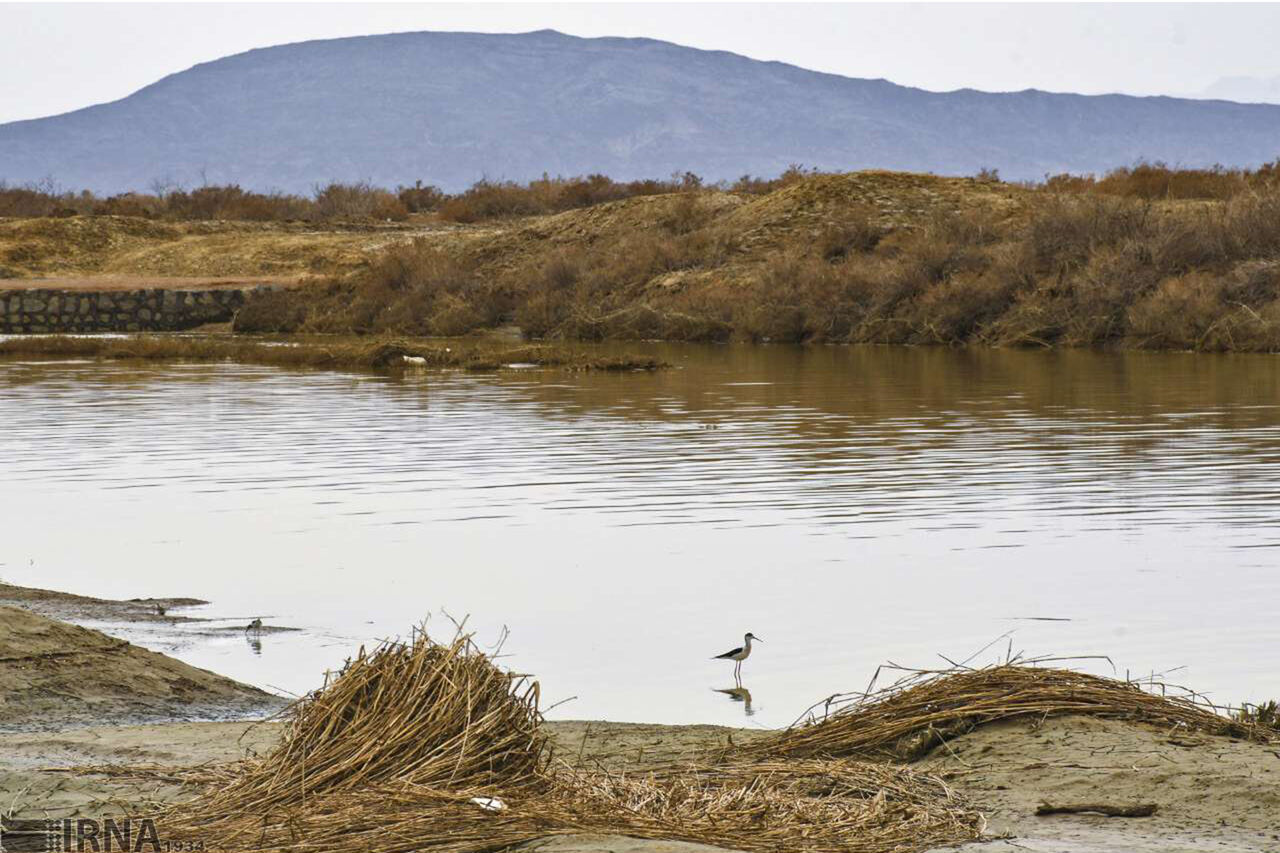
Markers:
{"x": 729, "y": 653}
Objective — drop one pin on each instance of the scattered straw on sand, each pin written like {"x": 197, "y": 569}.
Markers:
{"x": 430, "y": 746}
{"x": 427, "y": 746}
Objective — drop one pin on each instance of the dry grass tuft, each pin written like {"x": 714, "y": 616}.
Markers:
{"x": 904, "y": 721}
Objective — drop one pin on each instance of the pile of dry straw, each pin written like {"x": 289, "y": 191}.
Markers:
{"x": 430, "y": 746}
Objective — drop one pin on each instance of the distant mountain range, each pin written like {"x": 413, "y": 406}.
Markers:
{"x": 450, "y": 108}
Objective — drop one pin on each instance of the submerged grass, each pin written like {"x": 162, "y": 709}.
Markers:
{"x": 378, "y": 353}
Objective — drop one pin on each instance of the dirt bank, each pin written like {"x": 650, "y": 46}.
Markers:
{"x": 75, "y": 608}
{"x": 57, "y": 675}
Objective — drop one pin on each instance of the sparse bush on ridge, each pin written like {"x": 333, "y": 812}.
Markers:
{"x": 361, "y": 200}
{"x": 1157, "y": 181}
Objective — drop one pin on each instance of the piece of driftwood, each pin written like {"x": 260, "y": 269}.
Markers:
{"x": 1135, "y": 810}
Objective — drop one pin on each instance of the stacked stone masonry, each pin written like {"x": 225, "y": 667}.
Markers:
{"x": 152, "y": 310}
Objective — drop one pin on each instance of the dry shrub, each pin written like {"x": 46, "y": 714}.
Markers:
{"x": 961, "y": 307}
{"x": 127, "y": 204}
{"x": 1253, "y": 284}
{"x": 43, "y": 199}
{"x": 688, "y": 214}
{"x": 232, "y": 202}
{"x": 414, "y": 288}
{"x": 1179, "y": 311}
{"x": 1064, "y": 232}
{"x": 358, "y": 201}
{"x": 1252, "y": 225}
{"x": 763, "y": 186}
{"x": 1206, "y": 312}
{"x": 551, "y": 292}
{"x": 854, "y": 234}
{"x": 925, "y": 708}
{"x": 1157, "y": 181}
{"x": 798, "y": 297}
{"x": 271, "y": 311}
{"x": 498, "y": 199}
{"x": 419, "y": 197}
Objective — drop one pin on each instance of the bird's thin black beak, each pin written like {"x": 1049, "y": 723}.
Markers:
{"x": 757, "y": 639}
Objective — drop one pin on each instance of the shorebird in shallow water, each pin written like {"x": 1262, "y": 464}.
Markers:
{"x": 255, "y": 626}
{"x": 739, "y": 654}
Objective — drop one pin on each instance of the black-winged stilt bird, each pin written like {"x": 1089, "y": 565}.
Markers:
{"x": 739, "y": 654}
{"x": 255, "y": 626}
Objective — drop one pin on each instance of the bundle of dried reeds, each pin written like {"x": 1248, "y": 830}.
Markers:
{"x": 924, "y": 708}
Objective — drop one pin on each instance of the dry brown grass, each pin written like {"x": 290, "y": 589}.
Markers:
{"x": 923, "y": 709}
{"x": 103, "y": 245}
{"x": 402, "y": 747}
{"x": 871, "y": 257}
{"x": 1157, "y": 180}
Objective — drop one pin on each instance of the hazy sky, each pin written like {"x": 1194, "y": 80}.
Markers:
{"x": 59, "y": 57}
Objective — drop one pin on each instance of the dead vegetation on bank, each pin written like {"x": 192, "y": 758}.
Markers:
{"x": 924, "y": 709}
{"x": 430, "y": 746}
{"x": 860, "y": 258}
{"x": 383, "y": 353}
{"x": 1144, "y": 257}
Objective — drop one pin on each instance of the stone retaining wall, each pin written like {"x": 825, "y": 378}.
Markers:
{"x": 152, "y": 310}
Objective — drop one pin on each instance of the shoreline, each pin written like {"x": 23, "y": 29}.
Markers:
{"x": 1205, "y": 786}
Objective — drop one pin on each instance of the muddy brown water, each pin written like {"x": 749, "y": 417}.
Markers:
{"x": 848, "y": 505}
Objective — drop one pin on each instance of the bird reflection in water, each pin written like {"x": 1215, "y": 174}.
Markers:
{"x": 738, "y": 694}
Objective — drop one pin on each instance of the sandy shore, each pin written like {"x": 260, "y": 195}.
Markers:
{"x": 63, "y": 682}
{"x": 1212, "y": 793}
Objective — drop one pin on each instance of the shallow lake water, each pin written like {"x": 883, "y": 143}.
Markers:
{"x": 850, "y": 506}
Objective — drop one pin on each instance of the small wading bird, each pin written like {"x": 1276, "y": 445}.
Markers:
{"x": 739, "y": 654}
{"x": 255, "y": 626}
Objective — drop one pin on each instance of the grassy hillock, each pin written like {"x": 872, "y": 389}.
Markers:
{"x": 867, "y": 257}
{"x": 1144, "y": 257}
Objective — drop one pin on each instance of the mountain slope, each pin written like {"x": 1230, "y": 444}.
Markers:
{"x": 450, "y": 108}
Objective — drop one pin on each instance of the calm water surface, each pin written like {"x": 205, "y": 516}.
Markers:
{"x": 848, "y": 505}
